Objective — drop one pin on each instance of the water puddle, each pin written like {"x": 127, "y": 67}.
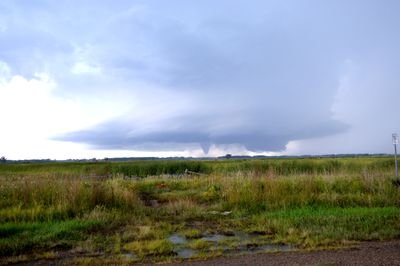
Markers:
{"x": 181, "y": 252}
{"x": 177, "y": 239}
{"x": 243, "y": 236}
{"x": 129, "y": 256}
{"x": 186, "y": 253}
{"x": 242, "y": 243}
{"x": 213, "y": 238}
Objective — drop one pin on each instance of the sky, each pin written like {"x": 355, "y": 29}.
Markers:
{"x": 84, "y": 79}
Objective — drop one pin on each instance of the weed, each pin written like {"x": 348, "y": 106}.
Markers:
{"x": 160, "y": 247}
{"x": 200, "y": 244}
{"x": 192, "y": 233}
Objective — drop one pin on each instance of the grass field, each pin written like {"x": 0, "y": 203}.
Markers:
{"x": 157, "y": 210}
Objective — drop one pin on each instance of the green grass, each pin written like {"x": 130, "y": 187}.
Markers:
{"x": 199, "y": 244}
{"x": 23, "y": 237}
{"x": 311, "y": 228}
{"x": 192, "y": 233}
{"x": 150, "y": 248}
{"x": 271, "y": 167}
{"x": 98, "y": 207}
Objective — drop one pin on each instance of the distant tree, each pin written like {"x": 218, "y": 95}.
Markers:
{"x": 3, "y": 159}
{"x": 228, "y": 156}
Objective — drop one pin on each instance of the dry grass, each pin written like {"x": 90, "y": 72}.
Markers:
{"x": 305, "y": 202}
{"x": 32, "y": 199}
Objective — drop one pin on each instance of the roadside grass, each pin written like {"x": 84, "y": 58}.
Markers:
{"x": 328, "y": 227}
{"x": 48, "y": 199}
{"x": 252, "y": 195}
{"x": 117, "y": 208}
{"x": 16, "y": 238}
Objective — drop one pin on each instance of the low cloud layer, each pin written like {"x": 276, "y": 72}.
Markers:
{"x": 201, "y": 130}
{"x": 176, "y": 75}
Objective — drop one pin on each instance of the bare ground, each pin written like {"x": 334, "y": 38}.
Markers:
{"x": 366, "y": 253}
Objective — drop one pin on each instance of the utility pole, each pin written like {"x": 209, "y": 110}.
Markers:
{"x": 395, "y": 140}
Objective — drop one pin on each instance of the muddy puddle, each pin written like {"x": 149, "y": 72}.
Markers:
{"x": 213, "y": 238}
{"x": 177, "y": 239}
{"x": 129, "y": 255}
{"x": 186, "y": 253}
{"x": 232, "y": 243}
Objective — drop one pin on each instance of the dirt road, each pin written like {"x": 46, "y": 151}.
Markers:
{"x": 367, "y": 253}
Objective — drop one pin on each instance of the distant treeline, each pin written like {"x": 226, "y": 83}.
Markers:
{"x": 277, "y": 166}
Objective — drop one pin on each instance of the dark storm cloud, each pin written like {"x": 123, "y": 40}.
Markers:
{"x": 193, "y": 129}
{"x": 280, "y": 85}
{"x": 256, "y": 73}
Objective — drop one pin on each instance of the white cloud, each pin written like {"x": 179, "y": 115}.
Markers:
{"x": 32, "y": 115}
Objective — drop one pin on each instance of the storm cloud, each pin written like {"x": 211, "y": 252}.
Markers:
{"x": 185, "y": 74}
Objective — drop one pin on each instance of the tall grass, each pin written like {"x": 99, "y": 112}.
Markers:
{"x": 279, "y": 167}
{"x": 34, "y": 192}
{"x": 46, "y": 199}
{"x": 318, "y": 227}
{"x": 286, "y": 198}
{"x": 263, "y": 193}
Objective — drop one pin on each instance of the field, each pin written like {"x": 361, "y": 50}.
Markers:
{"x": 151, "y": 211}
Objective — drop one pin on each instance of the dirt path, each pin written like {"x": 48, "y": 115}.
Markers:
{"x": 367, "y": 253}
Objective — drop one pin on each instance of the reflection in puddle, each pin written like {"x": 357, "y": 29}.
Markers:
{"x": 245, "y": 244}
{"x": 129, "y": 256}
{"x": 186, "y": 253}
{"x": 213, "y": 238}
{"x": 177, "y": 239}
